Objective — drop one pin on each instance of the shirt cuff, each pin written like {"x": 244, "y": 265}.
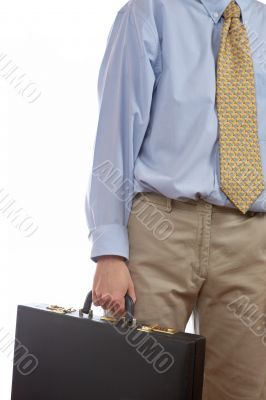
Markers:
{"x": 109, "y": 240}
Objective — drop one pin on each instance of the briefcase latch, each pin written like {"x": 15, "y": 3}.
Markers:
{"x": 157, "y": 328}
{"x": 60, "y": 310}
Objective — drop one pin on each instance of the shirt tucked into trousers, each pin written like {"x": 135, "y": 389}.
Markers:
{"x": 178, "y": 178}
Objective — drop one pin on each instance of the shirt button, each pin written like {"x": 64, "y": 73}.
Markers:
{"x": 215, "y": 14}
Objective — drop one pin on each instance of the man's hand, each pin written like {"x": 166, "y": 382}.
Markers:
{"x": 111, "y": 282}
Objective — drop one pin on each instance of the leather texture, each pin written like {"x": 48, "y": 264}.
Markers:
{"x": 82, "y": 359}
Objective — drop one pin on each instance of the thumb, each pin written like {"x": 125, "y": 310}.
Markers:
{"x": 131, "y": 291}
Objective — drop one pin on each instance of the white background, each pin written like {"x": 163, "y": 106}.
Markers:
{"x": 46, "y": 151}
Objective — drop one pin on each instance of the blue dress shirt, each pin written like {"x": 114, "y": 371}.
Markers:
{"x": 157, "y": 129}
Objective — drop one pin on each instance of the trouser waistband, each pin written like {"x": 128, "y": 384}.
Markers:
{"x": 189, "y": 204}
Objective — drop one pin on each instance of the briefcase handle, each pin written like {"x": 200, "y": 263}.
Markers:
{"x": 129, "y": 306}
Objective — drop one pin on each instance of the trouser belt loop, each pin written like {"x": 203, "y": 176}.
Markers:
{"x": 169, "y": 204}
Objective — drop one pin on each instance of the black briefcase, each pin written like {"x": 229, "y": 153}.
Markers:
{"x": 63, "y": 354}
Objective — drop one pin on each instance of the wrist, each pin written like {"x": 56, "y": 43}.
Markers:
{"x": 111, "y": 257}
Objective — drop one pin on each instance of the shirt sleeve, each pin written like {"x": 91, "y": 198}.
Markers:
{"x": 126, "y": 81}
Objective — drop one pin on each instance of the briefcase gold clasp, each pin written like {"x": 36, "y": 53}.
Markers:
{"x": 60, "y": 310}
{"x": 161, "y": 329}
{"x": 157, "y": 328}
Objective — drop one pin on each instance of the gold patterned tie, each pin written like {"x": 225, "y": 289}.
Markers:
{"x": 241, "y": 172}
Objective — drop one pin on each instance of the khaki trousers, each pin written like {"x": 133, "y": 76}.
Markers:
{"x": 195, "y": 257}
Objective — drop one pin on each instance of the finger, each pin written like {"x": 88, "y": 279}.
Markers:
{"x": 118, "y": 308}
{"x": 96, "y": 298}
{"x": 106, "y": 301}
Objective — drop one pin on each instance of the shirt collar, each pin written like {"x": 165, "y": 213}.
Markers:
{"x": 215, "y": 8}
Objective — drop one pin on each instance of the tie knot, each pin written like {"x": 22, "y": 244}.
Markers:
{"x": 232, "y": 11}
